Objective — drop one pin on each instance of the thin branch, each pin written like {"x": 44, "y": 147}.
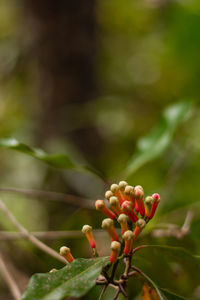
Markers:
{"x": 99, "y": 282}
{"x": 46, "y": 235}
{"x": 176, "y": 231}
{"x": 140, "y": 247}
{"x": 117, "y": 294}
{"x": 113, "y": 286}
{"x": 186, "y": 226}
{"x": 53, "y": 196}
{"x": 122, "y": 290}
{"x": 103, "y": 291}
{"x": 9, "y": 280}
{"x": 148, "y": 279}
{"x": 113, "y": 270}
{"x": 127, "y": 268}
{"x": 29, "y": 236}
{"x": 132, "y": 274}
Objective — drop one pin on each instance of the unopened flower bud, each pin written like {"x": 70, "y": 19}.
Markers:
{"x": 128, "y": 238}
{"x": 139, "y": 187}
{"x": 156, "y": 198}
{"x": 115, "y": 251}
{"x": 140, "y": 224}
{"x": 128, "y": 210}
{"x": 66, "y": 253}
{"x": 100, "y": 205}
{"x": 108, "y": 194}
{"x": 108, "y": 225}
{"x": 129, "y": 194}
{"x": 139, "y": 200}
{"x": 122, "y": 220}
{"x": 114, "y": 203}
{"x": 122, "y": 185}
{"x": 148, "y": 203}
{"x": 114, "y": 188}
{"x": 87, "y": 230}
{"x": 116, "y": 191}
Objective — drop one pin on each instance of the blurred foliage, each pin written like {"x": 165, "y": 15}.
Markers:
{"x": 147, "y": 62}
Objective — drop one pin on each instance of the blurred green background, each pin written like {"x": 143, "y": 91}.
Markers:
{"x": 115, "y": 86}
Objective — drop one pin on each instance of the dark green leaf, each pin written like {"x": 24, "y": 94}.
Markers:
{"x": 151, "y": 283}
{"x": 175, "y": 253}
{"x": 62, "y": 161}
{"x": 171, "y": 296}
{"x": 74, "y": 280}
{"x": 162, "y": 293}
{"x": 188, "y": 262}
{"x": 58, "y": 161}
{"x": 157, "y": 141}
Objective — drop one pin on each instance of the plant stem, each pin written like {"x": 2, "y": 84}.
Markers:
{"x": 123, "y": 290}
{"x": 9, "y": 280}
{"x": 128, "y": 266}
{"x": 47, "y": 235}
{"x": 114, "y": 270}
{"x": 30, "y": 237}
{"x": 52, "y": 196}
{"x": 148, "y": 279}
{"x": 103, "y": 291}
{"x": 117, "y": 294}
{"x": 139, "y": 247}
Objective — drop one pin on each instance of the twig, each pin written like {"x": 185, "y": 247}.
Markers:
{"x": 113, "y": 286}
{"x": 47, "y": 235}
{"x": 117, "y": 294}
{"x": 127, "y": 268}
{"x": 29, "y": 236}
{"x": 122, "y": 290}
{"x": 101, "y": 282}
{"x": 148, "y": 279}
{"x": 186, "y": 226}
{"x": 103, "y": 291}
{"x": 175, "y": 230}
{"x": 52, "y": 196}
{"x": 113, "y": 270}
{"x": 9, "y": 280}
{"x": 140, "y": 247}
{"x": 132, "y": 274}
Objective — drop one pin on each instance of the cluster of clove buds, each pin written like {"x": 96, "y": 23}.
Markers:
{"x": 129, "y": 209}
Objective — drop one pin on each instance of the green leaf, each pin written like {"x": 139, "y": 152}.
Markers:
{"x": 151, "y": 283}
{"x": 74, "y": 280}
{"x": 58, "y": 161}
{"x": 189, "y": 263}
{"x": 156, "y": 142}
{"x": 162, "y": 293}
{"x": 171, "y": 296}
{"x": 177, "y": 254}
{"x": 61, "y": 161}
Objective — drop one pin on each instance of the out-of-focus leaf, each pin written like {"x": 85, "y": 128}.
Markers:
{"x": 171, "y": 296}
{"x": 156, "y": 142}
{"x": 58, "y": 160}
{"x": 74, "y": 280}
{"x": 148, "y": 293}
{"x": 61, "y": 161}
{"x": 156, "y": 293}
{"x": 179, "y": 255}
{"x": 152, "y": 284}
